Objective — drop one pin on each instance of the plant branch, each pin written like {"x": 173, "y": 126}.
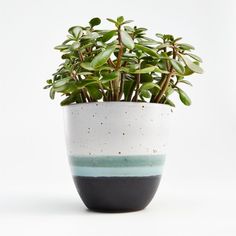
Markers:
{"x": 164, "y": 87}
{"x": 135, "y": 98}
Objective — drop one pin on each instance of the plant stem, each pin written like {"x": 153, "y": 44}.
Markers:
{"x": 135, "y": 98}
{"x": 121, "y": 86}
{"x": 164, "y": 87}
{"x": 111, "y": 96}
{"x": 103, "y": 93}
{"x": 116, "y": 83}
{"x": 111, "y": 63}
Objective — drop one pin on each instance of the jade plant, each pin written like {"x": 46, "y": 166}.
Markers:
{"x": 122, "y": 64}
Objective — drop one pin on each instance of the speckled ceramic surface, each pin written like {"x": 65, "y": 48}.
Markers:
{"x": 116, "y": 147}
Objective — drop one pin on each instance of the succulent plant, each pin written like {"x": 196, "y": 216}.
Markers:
{"x": 122, "y": 64}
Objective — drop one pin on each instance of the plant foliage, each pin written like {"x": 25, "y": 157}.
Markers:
{"x": 122, "y": 64}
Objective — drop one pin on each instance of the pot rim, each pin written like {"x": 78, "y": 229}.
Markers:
{"x": 121, "y": 102}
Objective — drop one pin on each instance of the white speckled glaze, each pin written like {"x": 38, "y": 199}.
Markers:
{"x": 116, "y": 128}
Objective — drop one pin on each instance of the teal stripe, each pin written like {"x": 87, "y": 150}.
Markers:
{"x": 116, "y": 171}
{"x": 143, "y": 165}
{"x": 117, "y": 161}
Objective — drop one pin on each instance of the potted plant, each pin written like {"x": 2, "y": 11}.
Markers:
{"x": 117, "y": 86}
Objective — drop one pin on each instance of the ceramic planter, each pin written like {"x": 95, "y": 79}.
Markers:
{"x": 116, "y": 152}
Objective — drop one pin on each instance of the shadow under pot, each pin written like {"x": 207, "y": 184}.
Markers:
{"x": 116, "y": 152}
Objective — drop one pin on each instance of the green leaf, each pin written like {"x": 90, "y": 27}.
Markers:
{"x": 145, "y": 94}
{"x": 70, "y": 99}
{"x": 111, "y": 20}
{"x": 86, "y": 66}
{"x": 169, "y": 91}
{"x": 52, "y": 93}
{"x": 85, "y": 73}
{"x": 192, "y": 66}
{"x": 149, "y": 85}
{"x": 126, "y": 39}
{"x": 75, "y": 46}
{"x": 61, "y": 47}
{"x": 129, "y": 85}
{"x": 147, "y": 50}
{"x": 185, "y": 82}
{"x": 94, "y": 92}
{"x": 76, "y": 31}
{"x": 159, "y": 35}
{"x": 179, "y": 68}
{"x": 177, "y": 39}
{"x": 102, "y": 57}
{"x": 169, "y": 102}
{"x": 109, "y": 76}
{"x": 185, "y": 46}
{"x": 61, "y": 82}
{"x": 184, "y": 97}
{"x": 163, "y": 45}
{"x": 195, "y": 57}
{"x": 95, "y": 21}
{"x": 168, "y": 37}
{"x": 188, "y": 71}
{"x": 47, "y": 86}
{"x": 86, "y": 82}
{"x": 158, "y": 70}
{"x": 120, "y": 20}
{"x": 107, "y": 36}
{"x": 145, "y": 70}
{"x": 127, "y": 22}
{"x": 146, "y": 78}
{"x": 129, "y": 29}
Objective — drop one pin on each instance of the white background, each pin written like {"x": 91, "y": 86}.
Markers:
{"x": 197, "y": 194}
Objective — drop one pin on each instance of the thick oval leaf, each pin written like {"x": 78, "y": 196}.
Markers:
{"x": 186, "y": 46}
{"x": 158, "y": 70}
{"x": 52, "y": 93}
{"x": 147, "y": 50}
{"x": 159, "y": 35}
{"x": 75, "y": 46}
{"x": 148, "y": 85}
{"x": 107, "y": 36}
{"x": 126, "y": 39}
{"x": 146, "y": 78}
{"x": 85, "y": 73}
{"x": 145, "y": 94}
{"x": 47, "y": 86}
{"x": 120, "y": 20}
{"x": 145, "y": 70}
{"x": 70, "y": 99}
{"x": 61, "y": 82}
{"x": 195, "y": 57}
{"x": 192, "y": 66}
{"x": 169, "y": 102}
{"x": 102, "y": 57}
{"x": 86, "y": 82}
{"x": 109, "y": 77}
{"x": 86, "y": 66}
{"x": 184, "y": 97}
{"x": 95, "y": 21}
{"x": 185, "y": 82}
{"x": 177, "y": 66}
{"x": 168, "y": 37}
{"x": 94, "y": 92}
{"x": 62, "y": 47}
{"x": 126, "y": 22}
{"x": 76, "y": 31}
{"x": 111, "y": 20}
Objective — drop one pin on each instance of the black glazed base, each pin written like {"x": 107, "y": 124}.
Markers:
{"x": 116, "y": 194}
